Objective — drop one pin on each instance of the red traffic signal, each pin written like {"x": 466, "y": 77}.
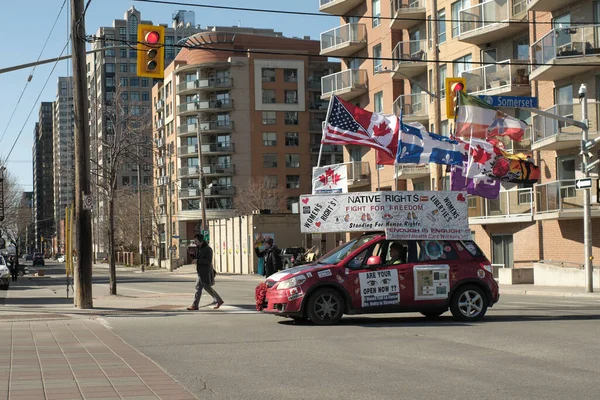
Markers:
{"x": 457, "y": 86}
{"x": 152, "y": 37}
{"x": 151, "y": 51}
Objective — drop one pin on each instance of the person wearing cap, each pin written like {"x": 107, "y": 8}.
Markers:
{"x": 204, "y": 268}
{"x": 271, "y": 256}
{"x": 397, "y": 254}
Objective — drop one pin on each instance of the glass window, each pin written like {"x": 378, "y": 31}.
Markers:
{"x": 123, "y": 67}
{"x": 109, "y": 53}
{"x": 291, "y": 97}
{"x": 125, "y": 181}
{"x": 455, "y": 8}
{"x": 429, "y": 32}
{"x": 563, "y": 36}
{"x": 292, "y": 160}
{"x": 124, "y": 96}
{"x": 109, "y": 67}
{"x": 461, "y": 65}
{"x": 135, "y": 96}
{"x": 269, "y": 160}
{"x": 292, "y": 182}
{"x": 377, "y": 64}
{"x": 291, "y": 117}
{"x": 271, "y": 181}
{"x": 123, "y": 53}
{"x": 291, "y": 139}
{"x": 269, "y": 138}
{"x": 444, "y": 128}
{"x": 290, "y": 75}
{"x": 134, "y": 82}
{"x": 376, "y": 12}
{"x": 145, "y": 82}
{"x": 290, "y": 202}
{"x": 268, "y": 96}
{"x": 145, "y": 96}
{"x": 110, "y": 82}
{"x": 441, "y": 26}
{"x": 269, "y": 117}
{"x": 132, "y": 53}
{"x": 442, "y": 81}
{"x": 378, "y": 102}
{"x": 268, "y": 74}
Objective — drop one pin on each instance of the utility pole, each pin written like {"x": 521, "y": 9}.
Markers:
{"x": 587, "y": 218}
{"x": 201, "y": 171}
{"x": 139, "y": 190}
{"x": 83, "y": 226}
{"x": 437, "y": 175}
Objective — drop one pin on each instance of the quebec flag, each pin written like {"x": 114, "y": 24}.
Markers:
{"x": 417, "y": 146}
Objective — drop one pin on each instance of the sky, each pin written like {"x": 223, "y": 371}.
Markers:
{"x": 25, "y": 26}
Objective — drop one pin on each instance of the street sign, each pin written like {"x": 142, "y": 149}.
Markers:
{"x": 88, "y": 202}
{"x": 206, "y": 234}
{"x": 584, "y": 183}
{"x": 510, "y": 101}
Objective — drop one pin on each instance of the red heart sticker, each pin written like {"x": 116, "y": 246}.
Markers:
{"x": 460, "y": 197}
{"x": 305, "y": 200}
{"x": 318, "y": 224}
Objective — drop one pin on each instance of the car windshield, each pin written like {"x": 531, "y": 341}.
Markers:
{"x": 38, "y": 254}
{"x": 338, "y": 254}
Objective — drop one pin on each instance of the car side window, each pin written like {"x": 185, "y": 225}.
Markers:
{"x": 358, "y": 261}
{"x": 433, "y": 250}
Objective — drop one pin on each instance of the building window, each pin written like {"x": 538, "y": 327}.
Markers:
{"x": 132, "y": 53}
{"x": 291, "y": 139}
{"x": 454, "y": 9}
{"x": 444, "y": 128}
{"x": 135, "y": 82}
{"x": 125, "y": 181}
{"x": 109, "y": 68}
{"x": 376, "y": 12}
{"x": 145, "y": 96}
{"x": 291, "y": 97}
{"x": 441, "y": 26}
{"x": 268, "y": 96}
{"x": 271, "y": 181}
{"x": 377, "y": 64}
{"x": 268, "y": 74}
{"x": 290, "y": 75}
{"x": 145, "y": 82}
{"x": 291, "y": 117}
{"x": 378, "y": 101}
{"x": 123, "y": 53}
{"x": 135, "y": 96}
{"x": 110, "y": 82}
{"x": 269, "y": 160}
{"x": 124, "y": 96}
{"x": 269, "y": 139}
{"x": 442, "y": 81}
{"x": 123, "y": 67}
{"x": 291, "y": 202}
{"x": 429, "y": 32}
{"x": 461, "y": 65}
{"x": 109, "y": 53}
{"x": 269, "y": 117}
{"x": 292, "y": 160}
{"x": 292, "y": 182}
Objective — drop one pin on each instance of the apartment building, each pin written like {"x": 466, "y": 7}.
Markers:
{"x": 258, "y": 115}
{"x": 111, "y": 72}
{"x": 43, "y": 180}
{"x": 491, "y": 44}
{"x": 63, "y": 155}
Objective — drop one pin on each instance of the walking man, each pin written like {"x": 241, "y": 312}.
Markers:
{"x": 271, "y": 255}
{"x": 204, "y": 269}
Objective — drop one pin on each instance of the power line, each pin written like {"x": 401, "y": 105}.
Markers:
{"x": 33, "y": 70}
{"x": 318, "y": 14}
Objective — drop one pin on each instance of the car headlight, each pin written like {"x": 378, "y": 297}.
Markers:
{"x": 292, "y": 282}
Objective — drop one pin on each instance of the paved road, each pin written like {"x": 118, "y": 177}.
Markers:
{"x": 528, "y": 347}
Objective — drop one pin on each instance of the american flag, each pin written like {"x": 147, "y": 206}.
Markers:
{"x": 351, "y": 125}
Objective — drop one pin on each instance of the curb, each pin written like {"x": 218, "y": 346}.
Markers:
{"x": 549, "y": 293}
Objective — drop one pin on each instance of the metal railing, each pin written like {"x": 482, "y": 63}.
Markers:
{"x": 217, "y": 147}
{"x": 159, "y": 104}
{"x": 214, "y": 83}
{"x": 544, "y": 127}
{"x": 560, "y": 196}
{"x": 160, "y": 142}
{"x": 219, "y": 169}
{"x": 205, "y": 105}
{"x": 510, "y": 203}
{"x": 189, "y": 192}
{"x": 160, "y": 161}
{"x": 347, "y": 79}
{"x": 316, "y": 126}
{"x": 405, "y": 5}
{"x": 496, "y": 76}
{"x": 187, "y": 150}
{"x": 327, "y": 148}
{"x": 573, "y": 41}
{"x": 482, "y": 15}
{"x": 408, "y": 52}
{"x": 220, "y": 191}
{"x": 348, "y": 33}
{"x": 412, "y": 105}
{"x": 189, "y": 171}
{"x": 318, "y": 104}
{"x": 216, "y": 125}
{"x": 159, "y": 123}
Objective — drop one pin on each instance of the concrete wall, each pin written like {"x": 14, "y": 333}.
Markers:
{"x": 549, "y": 275}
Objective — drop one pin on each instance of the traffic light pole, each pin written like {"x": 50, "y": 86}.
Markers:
{"x": 83, "y": 226}
{"x": 201, "y": 175}
{"x": 587, "y": 217}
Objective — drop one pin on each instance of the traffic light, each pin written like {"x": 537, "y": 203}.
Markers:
{"x": 151, "y": 51}
{"x": 453, "y": 86}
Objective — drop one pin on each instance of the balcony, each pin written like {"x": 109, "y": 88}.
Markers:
{"x": 409, "y": 59}
{"x": 510, "y": 206}
{"x": 578, "y": 45}
{"x": 347, "y": 84}
{"x": 344, "y": 40}
{"x": 412, "y": 171}
{"x": 219, "y": 191}
{"x": 549, "y": 134}
{"x": 318, "y": 105}
{"x": 159, "y": 124}
{"x": 195, "y": 107}
{"x": 188, "y": 171}
{"x": 159, "y": 105}
{"x": 507, "y": 78}
{"x": 359, "y": 174}
{"x": 338, "y": 7}
{"x": 327, "y": 148}
{"x": 205, "y": 84}
{"x": 491, "y": 21}
{"x": 160, "y": 200}
{"x": 186, "y": 193}
{"x": 413, "y": 107}
{"x": 162, "y": 180}
{"x": 560, "y": 200}
{"x": 218, "y": 148}
{"x": 160, "y": 142}
{"x": 218, "y": 169}
{"x": 522, "y": 146}
{"x": 315, "y": 126}
{"x": 407, "y": 13}
{"x": 206, "y": 127}
{"x": 548, "y": 5}
{"x": 160, "y": 161}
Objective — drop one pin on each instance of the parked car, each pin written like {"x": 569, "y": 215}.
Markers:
{"x": 360, "y": 277}
{"x": 28, "y": 257}
{"x": 4, "y": 274}
{"x": 38, "y": 259}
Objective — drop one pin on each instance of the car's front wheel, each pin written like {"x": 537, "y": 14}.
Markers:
{"x": 469, "y": 303}
{"x": 325, "y": 307}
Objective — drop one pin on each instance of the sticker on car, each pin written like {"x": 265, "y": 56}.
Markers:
{"x": 431, "y": 282}
{"x": 325, "y": 273}
{"x": 379, "y": 288}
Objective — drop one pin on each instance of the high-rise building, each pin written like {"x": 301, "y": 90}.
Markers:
{"x": 64, "y": 155}
{"x": 114, "y": 71}
{"x": 491, "y": 44}
{"x": 43, "y": 179}
{"x": 258, "y": 115}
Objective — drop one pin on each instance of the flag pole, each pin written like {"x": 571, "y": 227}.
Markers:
{"x": 329, "y": 107}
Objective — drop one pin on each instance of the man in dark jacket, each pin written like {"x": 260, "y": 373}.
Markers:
{"x": 204, "y": 268}
{"x": 271, "y": 255}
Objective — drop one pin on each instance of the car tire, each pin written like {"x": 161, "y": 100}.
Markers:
{"x": 325, "y": 307}
{"x": 469, "y": 303}
{"x": 432, "y": 314}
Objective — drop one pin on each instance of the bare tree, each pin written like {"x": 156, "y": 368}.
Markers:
{"x": 18, "y": 216}
{"x": 260, "y": 194}
{"x": 127, "y": 141}
{"x": 127, "y": 214}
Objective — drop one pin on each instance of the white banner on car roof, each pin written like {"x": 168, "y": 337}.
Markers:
{"x": 403, "y": 215}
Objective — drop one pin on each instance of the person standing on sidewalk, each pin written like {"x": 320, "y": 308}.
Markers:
{"x": 15, "y": 268}
{"x": 271, "y": 255}
{"x": 204, "y": 268}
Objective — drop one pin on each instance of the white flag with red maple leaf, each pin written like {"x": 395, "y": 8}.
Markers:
{"x": 330, "y": 179}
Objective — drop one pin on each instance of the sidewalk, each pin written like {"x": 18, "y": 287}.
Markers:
{"x": 553, "y": 291}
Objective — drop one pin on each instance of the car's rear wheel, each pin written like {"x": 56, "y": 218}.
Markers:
{"x": 469, "y": 303}
{"x": 325, "y": 307}
{"x": 432, "y": 314}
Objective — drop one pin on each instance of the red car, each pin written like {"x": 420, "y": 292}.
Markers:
{"x": 365, "y": 275}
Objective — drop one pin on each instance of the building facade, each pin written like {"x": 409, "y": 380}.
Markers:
{"x": 258, "y": 115}
{"x": 43, "y": 179}
{"x": 492, "y": 44}
{"x": 112, "y": 73}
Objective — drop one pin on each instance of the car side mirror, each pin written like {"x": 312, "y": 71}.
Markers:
{"x": 374, "y": 260}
